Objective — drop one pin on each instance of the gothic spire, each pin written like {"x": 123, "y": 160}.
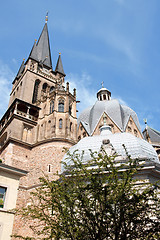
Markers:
{"x": 59, "y": 66}
{"x": 41, "y": 50}
{"x": 20, "y": 71}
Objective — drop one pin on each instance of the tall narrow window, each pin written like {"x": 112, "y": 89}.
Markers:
{"x": 35, "y": 92}
{"x": 71, "y": 126}
{"x": 70, "y": 109}
{"x": 44, "y": 87}
{"x": 129, "y": 129}
{"x": 60, "y": 123}
{"x": 51, "y": 89}
{"x": 52, "y": 106}
{"x": 61, "y": 105}
{"x": 2, "y": 196}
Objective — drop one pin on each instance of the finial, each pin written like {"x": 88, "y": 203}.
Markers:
{"x": 35, "y": 40}
{"x": 145, "y": 121}
{"x": 102, "y": 84}
{"x": 23, "y": 59}
{"x": 59, "y": 53}
{"x": 46, "y": 17}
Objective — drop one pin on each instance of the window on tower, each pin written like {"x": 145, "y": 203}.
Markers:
{"x": 70, "y": 109}
{"x": 52, "y": 106}
{"x": 71, "y": 126}
{"x": 44, "y": 87}
{"x": 51, "y": 89}
{"x": 61, "y": 105}
{"x": 35, "y": 92}
{"x": 60, "y": 123}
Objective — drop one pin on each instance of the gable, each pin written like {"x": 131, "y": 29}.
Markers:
{"x": 132, "y": 128}
{"x": 109, "y": 121}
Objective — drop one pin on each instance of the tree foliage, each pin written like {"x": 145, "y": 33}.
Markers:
{"x": 97, "y": 200}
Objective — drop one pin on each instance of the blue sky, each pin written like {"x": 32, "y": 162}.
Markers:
{"x": 114, "y": 41}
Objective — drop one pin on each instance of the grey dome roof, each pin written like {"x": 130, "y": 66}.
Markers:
{"x": 119, "y": 114}
{"x": 136, "y": 147}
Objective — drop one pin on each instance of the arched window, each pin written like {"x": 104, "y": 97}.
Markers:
{"x": 61, "y": 105}
{"x": 52, "y": 106}
{"x": 35, "y": 92}
{"x": 129, "y": 129}
{"x": 51, "y": 89}
{"x": 60, "y": 123}
{"x": 112, "y": 127}
{"x": 84, "y": 134}
{"x": 135, "y": 132}
{"x": 44, "y": 87}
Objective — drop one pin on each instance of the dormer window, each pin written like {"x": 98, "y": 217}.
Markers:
{"x": 135, "y": 132}
{"x": 61, "y": 105}
{"x": 129, "y": 129}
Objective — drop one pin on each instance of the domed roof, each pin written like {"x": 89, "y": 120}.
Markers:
{"x": 136, "y": 147}
{"x": 118, "y": 113}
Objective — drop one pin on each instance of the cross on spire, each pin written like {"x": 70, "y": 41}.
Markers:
{"x": 46, "y": 19}
{"x": 145, "y": 121}
{"x": 102, "y": 84}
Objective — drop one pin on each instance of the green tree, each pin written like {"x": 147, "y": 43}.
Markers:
{"x": 97, "y": 200}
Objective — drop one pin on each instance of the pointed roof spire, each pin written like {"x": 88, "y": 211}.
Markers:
{"x": 20, "y": 71}
{"x": 41, "y": 50}
{"x": 59, "y": 66}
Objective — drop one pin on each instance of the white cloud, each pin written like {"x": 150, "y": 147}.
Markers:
{"x": 85, "y": 93}
{"x": 6, "y": 77}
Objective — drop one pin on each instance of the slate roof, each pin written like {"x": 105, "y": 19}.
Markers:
{"x": 41, "y": 50}
{"x": 20, "y": 71}
{"x": 154, "y": 135}
{"x": 118, "y": 113}
{"x": 136, "y": 147}
{"x": 59, "y": 66}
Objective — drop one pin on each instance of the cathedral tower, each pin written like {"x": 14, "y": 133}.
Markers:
{"x": 40, "y": 120}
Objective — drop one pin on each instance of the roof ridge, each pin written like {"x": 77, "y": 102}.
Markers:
{"x": 155, "y": 131}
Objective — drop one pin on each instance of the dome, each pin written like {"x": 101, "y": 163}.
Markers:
{"x": 136, "y": 147}
{"x": 118, "y": 113}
